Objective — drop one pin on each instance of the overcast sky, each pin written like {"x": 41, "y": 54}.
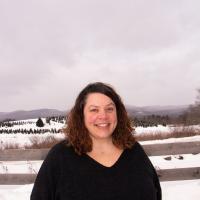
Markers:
{"x": 50, "y": 49}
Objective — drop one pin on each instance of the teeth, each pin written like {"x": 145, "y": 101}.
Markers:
{"x": 102, "y": 125}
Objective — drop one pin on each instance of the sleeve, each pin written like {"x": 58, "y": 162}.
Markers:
{"x": 155, "y": 176}
{"x": 157, "y": 184}
{"x": 44, "y": 187}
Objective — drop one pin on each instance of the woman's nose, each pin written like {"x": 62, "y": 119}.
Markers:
{"x": 102, "y": 114}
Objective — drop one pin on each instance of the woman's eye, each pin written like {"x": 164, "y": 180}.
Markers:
{"x": 110, "y": 109}
{"x": 93, "y": 110}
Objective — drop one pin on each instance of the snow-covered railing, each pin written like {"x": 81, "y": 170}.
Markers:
{"x": 151, "y": 149}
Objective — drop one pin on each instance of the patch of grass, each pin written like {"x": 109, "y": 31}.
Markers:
{"x": 185, "y": 131}
{"x": 176, "y": 132}
{"x": 10, "y": 146}
{"x": 39, "y": 143}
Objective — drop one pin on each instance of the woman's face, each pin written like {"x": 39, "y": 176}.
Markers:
{"x": 100, "y": 116}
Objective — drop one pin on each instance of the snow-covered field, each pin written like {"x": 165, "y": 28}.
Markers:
{"x": 178, "y": 190}
{"x": 173, "y": 190}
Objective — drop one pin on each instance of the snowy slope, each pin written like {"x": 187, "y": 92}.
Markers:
{"x": 178, "y": 190}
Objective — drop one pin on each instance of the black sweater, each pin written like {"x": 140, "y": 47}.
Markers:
{"x": 64, "y": 175}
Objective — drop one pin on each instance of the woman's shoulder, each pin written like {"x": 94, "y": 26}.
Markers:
{"x": 61, "y": 148}
{"x": 137, "y": 148}
{"x": 63, "y": 144}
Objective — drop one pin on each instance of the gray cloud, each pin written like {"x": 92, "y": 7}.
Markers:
{"x": 49, "y": 50}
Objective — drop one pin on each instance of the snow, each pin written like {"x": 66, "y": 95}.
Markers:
{"x": 179, "y": 190}
{"x": 14, "y": 192}
{"x": 171, "y": 190}
{"x": 189, "y": 160}
{"x": 20, "y": 167}
{"x": 153, "y": 129}
{"x": 22, "y": 140}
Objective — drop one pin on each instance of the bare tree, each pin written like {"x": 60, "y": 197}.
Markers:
{"x": 193, "y": 114}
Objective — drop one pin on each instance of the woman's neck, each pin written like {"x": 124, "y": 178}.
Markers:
{"x": 103, "y": 146}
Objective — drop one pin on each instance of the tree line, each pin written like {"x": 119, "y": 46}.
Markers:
{"x": 192, "y": 115}
{"x": 150, "y": 120}
{"x": 30, "y": 131}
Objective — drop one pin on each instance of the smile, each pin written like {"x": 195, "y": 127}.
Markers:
{"x": 102, "y": 125}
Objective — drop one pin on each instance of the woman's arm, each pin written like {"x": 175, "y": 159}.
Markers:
{"x": 157, "y": 184}
{"x": 45, "y": 184}
{"x": 155, "y": 176}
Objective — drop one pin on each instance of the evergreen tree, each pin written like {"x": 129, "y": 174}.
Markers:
{"x": 39, "y": 122}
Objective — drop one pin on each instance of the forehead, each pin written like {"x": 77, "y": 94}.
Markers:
{"x": 98, "y": 99}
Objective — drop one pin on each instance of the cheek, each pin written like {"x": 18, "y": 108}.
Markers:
{"x": 90, "y": 119}
{"x": 114, "y": 117}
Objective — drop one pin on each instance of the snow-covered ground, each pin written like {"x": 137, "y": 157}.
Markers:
{"x": 22, "y": 140}
{"x": 173, "y": 190}
{"x": 178, "y": 190}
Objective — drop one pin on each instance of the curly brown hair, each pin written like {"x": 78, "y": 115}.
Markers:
{"x": 77, "y": 134}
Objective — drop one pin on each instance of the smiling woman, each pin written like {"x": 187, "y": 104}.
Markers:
{"x": 100, "y": 116}
{"x": 100, "y": 158}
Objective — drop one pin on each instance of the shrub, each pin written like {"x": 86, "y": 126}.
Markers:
{"x": 39, "y": 123}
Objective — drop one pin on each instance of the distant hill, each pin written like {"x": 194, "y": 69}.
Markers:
{"x": 171, "y": 111}
{"x": 31, "y": 114}
{"x": 132, "y": 110}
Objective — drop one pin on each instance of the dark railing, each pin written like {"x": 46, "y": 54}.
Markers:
{"x": 151, "y": 150}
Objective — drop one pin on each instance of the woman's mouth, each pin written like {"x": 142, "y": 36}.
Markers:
{"x": 102, "y": 125}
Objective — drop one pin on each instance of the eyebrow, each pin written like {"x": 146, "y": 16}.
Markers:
{"x": 110, "y": 104}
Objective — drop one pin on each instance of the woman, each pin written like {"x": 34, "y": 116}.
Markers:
{"x": 100, "y": 159}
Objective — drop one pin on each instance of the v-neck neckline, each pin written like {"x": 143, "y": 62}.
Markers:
{"x": 98, "y": 164}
